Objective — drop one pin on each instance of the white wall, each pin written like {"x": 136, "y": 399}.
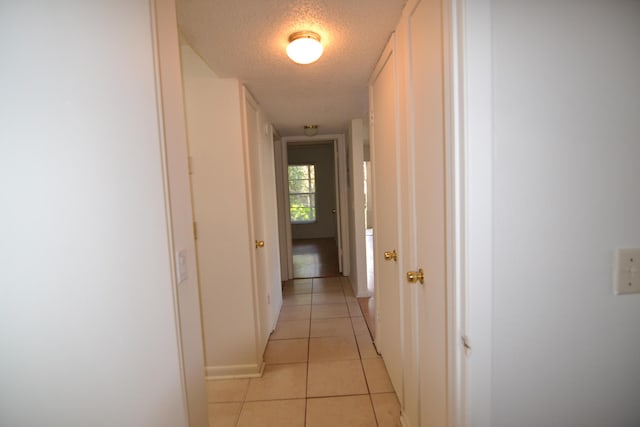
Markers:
{"x": 88, "y": 323}
{"x": 567, "y": 145}
{"x": 357, "y": 242}
{"x": 221, "y": 212}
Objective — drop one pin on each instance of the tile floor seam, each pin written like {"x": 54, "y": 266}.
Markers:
{"x": 374, "y": 411}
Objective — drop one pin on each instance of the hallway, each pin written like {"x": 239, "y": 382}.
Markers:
{"x": 321, "y": 367}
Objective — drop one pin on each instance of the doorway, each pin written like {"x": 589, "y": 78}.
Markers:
{"x": 311, "y": 193}
{"x": 311, "y": 176}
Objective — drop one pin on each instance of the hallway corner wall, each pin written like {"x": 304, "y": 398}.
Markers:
{"x": 89, "y": 325}
{"x": 355, "y": 149}
{"x": 218, "y": 179}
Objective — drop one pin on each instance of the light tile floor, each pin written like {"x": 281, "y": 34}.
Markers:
{"x": 321, "y": 368}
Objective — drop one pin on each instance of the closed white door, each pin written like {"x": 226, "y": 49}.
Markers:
{"x": 426, "y": 85}
{"x": 259, "y": 243}
{"x": 384, "y": 146}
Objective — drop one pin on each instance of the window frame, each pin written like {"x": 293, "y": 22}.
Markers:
{"x": 312, "y": 195}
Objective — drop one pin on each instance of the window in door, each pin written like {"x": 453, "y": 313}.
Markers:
{"x": 302, "y": 193}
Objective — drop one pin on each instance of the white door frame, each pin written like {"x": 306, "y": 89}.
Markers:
{"x": 470, "y": 35}
{"x": 342, "y": 197}
{"x": 455, "y": 191}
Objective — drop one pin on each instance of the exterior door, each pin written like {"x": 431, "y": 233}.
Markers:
{"x": 384, "y": 146}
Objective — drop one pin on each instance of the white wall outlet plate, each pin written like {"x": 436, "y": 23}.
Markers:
{"x": 627, "y": 271}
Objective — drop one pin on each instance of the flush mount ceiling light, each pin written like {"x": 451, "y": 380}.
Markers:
{"x": 304, "y": 47}
{"x": 311, "y": 130}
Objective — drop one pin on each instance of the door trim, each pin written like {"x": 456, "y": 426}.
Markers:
{"x": 471, "y": 52}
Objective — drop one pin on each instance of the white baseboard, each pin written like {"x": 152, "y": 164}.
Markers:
{"x": 234, "y": 371}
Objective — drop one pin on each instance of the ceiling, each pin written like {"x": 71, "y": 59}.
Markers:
{"x": 246, "y": 39}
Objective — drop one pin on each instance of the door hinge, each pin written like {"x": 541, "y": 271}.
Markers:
{"x": 465, "y": 342}
{"x": 195, "y": 231}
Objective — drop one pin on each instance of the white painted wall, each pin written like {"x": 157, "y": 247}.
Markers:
{"x": 221, "y": 212}
{"x": 88, "y": 314}
{"x": 566, "y": 351}
{"x": 357, "y": 242}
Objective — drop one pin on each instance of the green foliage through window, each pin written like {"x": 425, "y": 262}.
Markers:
{"x": 302, "y": 193}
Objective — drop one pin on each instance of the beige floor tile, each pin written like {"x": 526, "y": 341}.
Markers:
{"x": 287, "y": 351}
{"x": 328, "y": 298}
{"x": 377, "y": 377}
{"x": 336, "y": 378}
{"x": 334, "y": 280}
{"x": 337, "y": 327}
{"x": 295, "y": 312}
{"x": 288, "y": 329}
{"x": 366, "y": 348}
{"x": 297, "y": 288}
{"x": 359, "y": 326}
{"x": 350, "y": 298}
{"x": 354, "y": 309}
{"x": 274, "y": 413}
{"x": 387, "y": 409}
{"x": 347, "y": 411}
{"x": 224, "y": 414}
{"x": 296, "y": 299}
{"x": 348, "y": 290}
{"x": 227, "y": 390}
{"x": 327, "y": 284}
{"x": 326, "y": 311}
{"x": 333, "y": 348}
{"x": 279, "y": 382}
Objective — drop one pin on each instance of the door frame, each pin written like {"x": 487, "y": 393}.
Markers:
{"x": 342, "y": 199}
{"x": 469, "y": 49}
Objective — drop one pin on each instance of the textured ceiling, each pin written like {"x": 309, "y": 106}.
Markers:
{"x": 246, "y": 39}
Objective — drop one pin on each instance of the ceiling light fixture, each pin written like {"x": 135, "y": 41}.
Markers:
{"x": 304, "y": 47}
{"x": 310, "y": 130}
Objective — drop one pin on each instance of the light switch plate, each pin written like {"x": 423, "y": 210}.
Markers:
{"x": 627, "y": 271}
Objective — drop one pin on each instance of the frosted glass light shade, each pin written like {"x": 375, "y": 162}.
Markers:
{"x": 304, "y": 47}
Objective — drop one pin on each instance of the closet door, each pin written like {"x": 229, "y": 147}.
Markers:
{"x": 384, "y": 146}
{"x": 426, "y": 86}
{"x": 260, "y": 272}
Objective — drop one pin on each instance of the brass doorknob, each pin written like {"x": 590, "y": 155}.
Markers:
{"x": 259, "y": 243}
{"x": 390, "y": 255}
{"x": 416, "y": 276}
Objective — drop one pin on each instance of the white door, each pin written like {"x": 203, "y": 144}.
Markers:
{"x": 384, "y": 146}
{"x": 429, "y": 234}
{"x": 256, "y": 220}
